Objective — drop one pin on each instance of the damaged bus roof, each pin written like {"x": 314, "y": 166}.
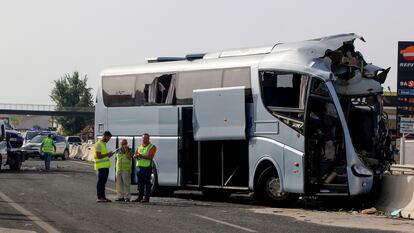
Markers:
{"x": 320, "y": 57}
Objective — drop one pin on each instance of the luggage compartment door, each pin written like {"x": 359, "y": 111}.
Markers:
{"x": 219, "y": 114}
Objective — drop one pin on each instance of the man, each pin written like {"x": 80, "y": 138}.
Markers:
{"x": 102, "y": 165}
{"x": 144, "y": 155}
{"x": 123, "y": 172}
{"x": 48, "y": 147}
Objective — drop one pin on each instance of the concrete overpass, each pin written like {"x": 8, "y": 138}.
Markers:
{"x": 45, "y": 110}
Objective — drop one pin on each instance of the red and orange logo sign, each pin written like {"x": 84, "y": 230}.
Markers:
{"x": 408, "y": 53}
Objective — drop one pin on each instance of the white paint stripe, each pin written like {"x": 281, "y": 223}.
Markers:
{"x": 83, "y": 163}
{"x": 225, "y": 223}
{"x": 45, "y": 226}
{"x": 10, "y": 230}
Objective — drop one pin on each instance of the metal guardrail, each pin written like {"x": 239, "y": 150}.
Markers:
{"x": 403, "y": 169}
{"x": 44, "y": 107}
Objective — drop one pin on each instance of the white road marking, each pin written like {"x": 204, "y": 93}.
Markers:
{"x": 83, "y": 163}
{"x": 10, "y": 230}
{"x": 225, "y": 223}
{"x": 44, "y": 225}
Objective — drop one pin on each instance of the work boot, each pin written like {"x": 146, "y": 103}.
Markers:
{"x": 139, "y": 199}
{"x": 100, "y": 200}
{"x": 145, "y": 200}
{"x": 120, "y": 199}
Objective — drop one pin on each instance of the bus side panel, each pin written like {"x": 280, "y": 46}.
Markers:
{"x": 261, "y": 148}
{"x": 165, "y": 159}
{"x": 111, "y": 145}
{"x": 155, "y": 120}
{"x": 294, "y": 170}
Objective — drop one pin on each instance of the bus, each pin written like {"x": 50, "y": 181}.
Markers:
{"x": 301, "y": 118}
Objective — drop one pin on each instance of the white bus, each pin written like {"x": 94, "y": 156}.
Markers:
{"x": 292, "y": 118}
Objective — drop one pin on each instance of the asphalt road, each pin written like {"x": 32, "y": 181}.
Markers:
{"x": 63, "y": 200}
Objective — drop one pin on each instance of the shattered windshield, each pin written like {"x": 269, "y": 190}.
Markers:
{"x": 367, "y": 125}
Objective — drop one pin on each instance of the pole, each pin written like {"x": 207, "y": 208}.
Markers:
{"x": 402, "y": 149}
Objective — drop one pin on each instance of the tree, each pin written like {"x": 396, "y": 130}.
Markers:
{"x": 72, "y": 91}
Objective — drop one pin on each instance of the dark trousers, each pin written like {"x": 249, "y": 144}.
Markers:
{"x": 144, "y": 181}
{"x": 102, "y": 179}
{"x": 48, "y": 157}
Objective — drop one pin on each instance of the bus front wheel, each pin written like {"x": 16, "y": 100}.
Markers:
{"x": 268, "y": 188}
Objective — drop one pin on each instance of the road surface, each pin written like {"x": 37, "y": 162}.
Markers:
{"x": 63, "y": 200}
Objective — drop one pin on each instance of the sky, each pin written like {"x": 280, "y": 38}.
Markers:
{"x": 42, "y": 40}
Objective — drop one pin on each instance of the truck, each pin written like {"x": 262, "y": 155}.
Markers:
{"x": 10, "y": 145}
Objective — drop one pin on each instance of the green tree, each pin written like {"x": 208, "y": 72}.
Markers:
{"x": 72, "y": 91}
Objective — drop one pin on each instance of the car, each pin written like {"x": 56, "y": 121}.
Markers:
{"x": 32, "y": 149}
{"x": 30, "y": 134}
{"x": 74, "y": 140}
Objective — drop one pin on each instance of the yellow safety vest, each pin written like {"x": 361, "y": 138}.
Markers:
{"x": 48, "y": 145}
{"x": 104, "y": 162}
{"x": 123, "y": 163}
{"x": 144, "y": 151}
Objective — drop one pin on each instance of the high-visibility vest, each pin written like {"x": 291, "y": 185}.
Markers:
{"x": 104, "y": 162}
{"x": 144, "y": 151}
{"x": 47, "y": 145}
{"x": 123, "y": 163}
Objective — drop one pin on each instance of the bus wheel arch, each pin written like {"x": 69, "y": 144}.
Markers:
{"x": 268, "y": 184}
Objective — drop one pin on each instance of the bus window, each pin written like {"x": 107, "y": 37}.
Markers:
{"x": 161, "y": 90}
{"x": 284, "y": 94}
{"x": 205, "y": 79}
{"x": 189, "y": 81}
{"x": 236, "y": 77}
{"x": 118, "y": 91}
{"x": 144, "y": 89}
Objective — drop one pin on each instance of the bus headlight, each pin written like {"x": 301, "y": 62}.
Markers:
{"x": 360, "y": 170}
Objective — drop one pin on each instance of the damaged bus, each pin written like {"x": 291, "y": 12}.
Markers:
{"x": 292, "y": 118}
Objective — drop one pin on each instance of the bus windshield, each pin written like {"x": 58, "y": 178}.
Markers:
{"x": 367, "y": 125}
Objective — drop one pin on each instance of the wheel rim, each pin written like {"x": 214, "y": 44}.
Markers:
{"x": 273, "y": 189}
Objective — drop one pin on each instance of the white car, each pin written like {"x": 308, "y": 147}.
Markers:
{"x": 32, "y": 149}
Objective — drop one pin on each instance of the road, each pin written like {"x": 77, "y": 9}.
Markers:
{"x": 63, "y": 200}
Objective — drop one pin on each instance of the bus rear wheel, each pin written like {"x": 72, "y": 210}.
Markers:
{"x": 268, "y": 188}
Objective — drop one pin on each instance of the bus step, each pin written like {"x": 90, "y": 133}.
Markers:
{"x": 334, "y": 188}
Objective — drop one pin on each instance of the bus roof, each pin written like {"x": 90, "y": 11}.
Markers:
{"x": 299, "y": 53}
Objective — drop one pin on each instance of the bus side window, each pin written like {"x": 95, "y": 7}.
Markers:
{"x": 284, "y": 94}
{"x": 161, "y": 90}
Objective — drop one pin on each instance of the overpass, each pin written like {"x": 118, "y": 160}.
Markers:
{"x": 45, "y": 110}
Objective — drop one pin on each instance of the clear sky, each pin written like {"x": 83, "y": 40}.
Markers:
{"x": 42, "y": 40}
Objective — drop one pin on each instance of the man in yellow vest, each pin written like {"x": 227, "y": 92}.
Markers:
{"x": 123, "y": 172}
{"x": 144, "y": 156}
{"x": 48, "y": 147}
{"x": 102, "y": 165}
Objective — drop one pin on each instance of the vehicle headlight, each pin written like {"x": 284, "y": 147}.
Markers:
{"x": 360, "y": 170}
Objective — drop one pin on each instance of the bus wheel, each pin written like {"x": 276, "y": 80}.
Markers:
{"x": 269, "y": 188}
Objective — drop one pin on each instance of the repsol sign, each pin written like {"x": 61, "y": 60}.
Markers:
{"x": 405, "y": 80}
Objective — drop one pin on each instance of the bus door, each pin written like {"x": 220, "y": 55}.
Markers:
{"x": 326, "y": 164}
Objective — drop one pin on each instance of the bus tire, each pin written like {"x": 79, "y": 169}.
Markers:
{"x": 268, "y": 188}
